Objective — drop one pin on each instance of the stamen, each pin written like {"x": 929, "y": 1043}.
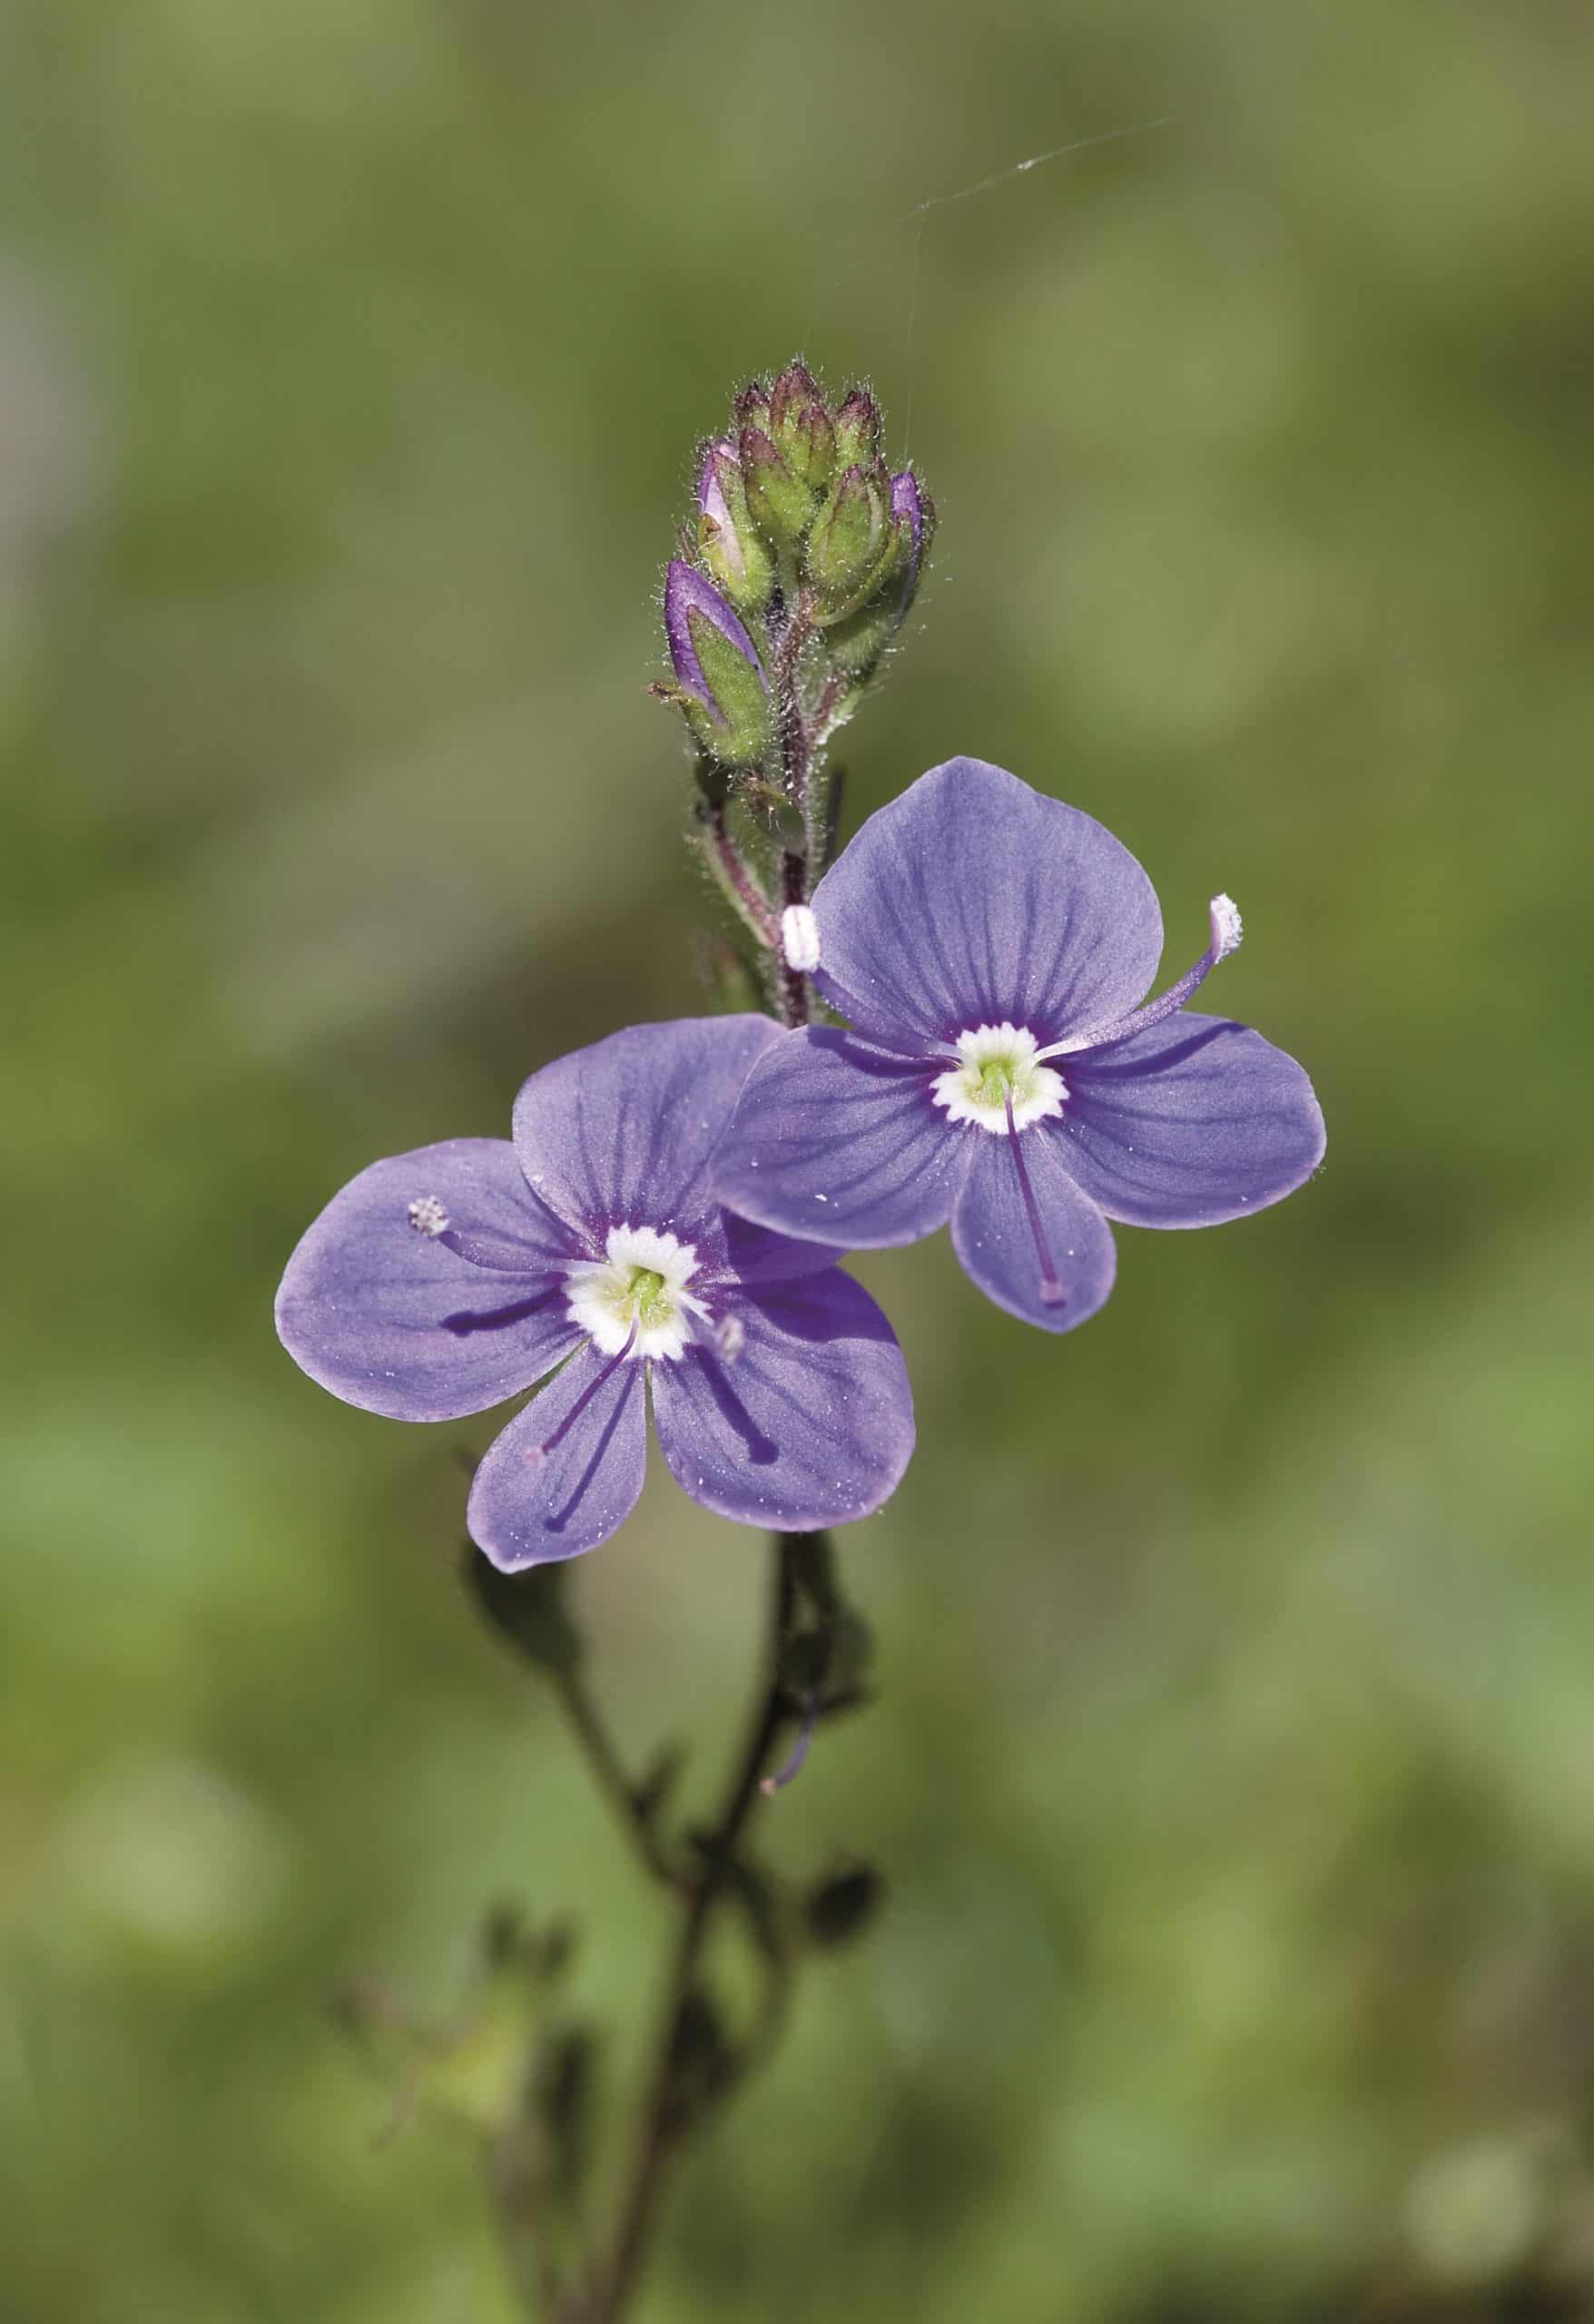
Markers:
{"x": 1226, "y": 930}
{"x": 428, "y": 1217}
{"x": 730, "y": 1337}
{"x": 792, "y": 1765}
{"x": 1051, "y": 1291}
{"x": 539, "y": 1452}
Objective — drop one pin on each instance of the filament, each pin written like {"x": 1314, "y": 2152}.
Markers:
{"x": 1051, "y": 1291}
{"x": 1224, "y": 919}
{"x": 539, "y": 1452}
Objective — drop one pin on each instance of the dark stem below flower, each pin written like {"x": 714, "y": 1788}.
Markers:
{"x": 628, "y": 1798}
{"x": 660, "y": 2130}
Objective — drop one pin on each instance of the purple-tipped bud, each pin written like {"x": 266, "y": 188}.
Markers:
{"x": 723, "y": 690}
{"x": 794, "y": 387}
{"x": 752, "y": 407}
{"x": 801, "y": 426}
{"x": 912, "y": 506}
{"x": 728, "y": 539}
{"x": 780, "y": 502}
{"x": 861, "y": 627}
{"x": 857, "y": 429}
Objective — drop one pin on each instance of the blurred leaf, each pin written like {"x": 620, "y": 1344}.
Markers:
{"x": 564, "y": 2094}
{"x": 841, "y": 1907}
{"x": 530, "y": 1610}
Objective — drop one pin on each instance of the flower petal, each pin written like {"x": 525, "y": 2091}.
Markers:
{"x": 973, "y": 900}
{"x": 1194, "y": 1121}
{"x": 811, "y": 1423}
{"x": 757, "y": 1254}
{"x": 396, "y": 1323}
{"x": 525, "y": 1509}
{"x": 839, "y": 1143}
{"x": 620, "y": 1134}
{"x": 994, "y": 1240}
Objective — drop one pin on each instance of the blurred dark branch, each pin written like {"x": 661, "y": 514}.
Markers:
{"x": 686, "y": 2035}
{"x": 812, "y": 1665}
{"x": 636, "y": 1804}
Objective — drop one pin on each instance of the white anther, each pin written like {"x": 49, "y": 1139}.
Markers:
{"x": 428, "y": 1217}
{"x": 730, "y": 1337}
{"x": 1226, "y": 928}
{"x": 799, "y": 938}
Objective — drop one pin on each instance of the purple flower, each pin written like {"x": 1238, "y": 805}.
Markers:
{"x": 989, "y": 947}
{"x": 441, "y": 1282}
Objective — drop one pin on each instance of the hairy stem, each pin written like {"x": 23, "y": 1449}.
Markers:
{"x": 739, "y": 878}
{"x": 796, "y": 769}
{"x": 793, "y": 983}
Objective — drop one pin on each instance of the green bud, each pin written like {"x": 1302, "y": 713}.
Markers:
{"x": 859, "y": 632}
{"x": 801, "y": 427}
{"x": 782, "y": 504}
{"x": 740, "y": 735}
{"x": 852, "y": 529}
{"x": 858, "y": 429}
{"x": 753, "y": 406}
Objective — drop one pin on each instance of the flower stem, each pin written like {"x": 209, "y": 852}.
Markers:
{"x": 661, "y": 2127}
{"x": 739, "y": 879}
{"x": 598, "y": 1749}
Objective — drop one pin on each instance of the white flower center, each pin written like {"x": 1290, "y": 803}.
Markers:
{"x": 641, "y": 1286}
{"x": 998, "y": 1062}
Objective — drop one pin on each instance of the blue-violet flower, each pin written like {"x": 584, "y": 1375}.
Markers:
{"x": 441, "y": 1282}
{"x": 989, "y": 946}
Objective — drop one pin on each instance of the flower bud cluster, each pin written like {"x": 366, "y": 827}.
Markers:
{"x": 801, "y": 561}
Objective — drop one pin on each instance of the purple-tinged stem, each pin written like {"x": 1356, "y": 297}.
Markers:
{"x": 755, "y": 902}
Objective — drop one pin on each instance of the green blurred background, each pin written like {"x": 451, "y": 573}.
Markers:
{"x": 1235, "y": 1771}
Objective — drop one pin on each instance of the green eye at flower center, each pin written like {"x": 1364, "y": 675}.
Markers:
{"x": 646, "y": 1296}
{"x": 1000, "y": 1081}
{"x": 996, "y": 1077}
